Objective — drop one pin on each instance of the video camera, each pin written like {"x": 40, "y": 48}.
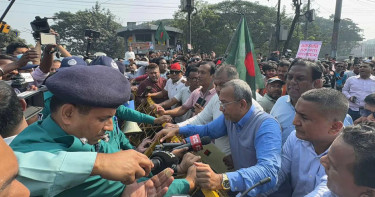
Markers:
{"x": 34, "y": 98}
{"x": 40, "y": 25}
{"x": 92, "y": 34}
{"x": 19, "y": 83}
{"x": 34, "y": 101}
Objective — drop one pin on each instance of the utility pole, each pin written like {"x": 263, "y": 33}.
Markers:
{"x": 336, "y": 27}
{"x": 189, "y": 18}
{"x": 297, "y": 4}
{"x": 307, "y": 20}
{"x": 277, "y": 37}
{"x": 190, "y": 8}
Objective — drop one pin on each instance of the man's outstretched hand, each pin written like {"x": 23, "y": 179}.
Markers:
{"x": 167, "y": 132}
{"x": 157, "y": 186}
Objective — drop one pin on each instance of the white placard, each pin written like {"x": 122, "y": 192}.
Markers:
{"x": 309, "y": 49}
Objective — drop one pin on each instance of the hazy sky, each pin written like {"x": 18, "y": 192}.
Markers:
{"x": 23, "y": 12}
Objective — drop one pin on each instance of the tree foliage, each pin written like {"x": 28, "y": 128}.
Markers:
{"x": 11, "y": 37}
{"x": 72, "y": 26}
{"x": 321, "y": 30}
{"x": 214, "y": 24}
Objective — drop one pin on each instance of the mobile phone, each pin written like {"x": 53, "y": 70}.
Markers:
{"x": 201, "y": 101}
{"x": 47, "y": 38}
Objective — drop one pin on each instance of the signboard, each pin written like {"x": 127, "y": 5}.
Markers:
{"x": 309, "y": 49}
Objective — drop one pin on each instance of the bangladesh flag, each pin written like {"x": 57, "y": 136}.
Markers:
{"x": 161, "y": 34}
{"x": 240, "y": 53}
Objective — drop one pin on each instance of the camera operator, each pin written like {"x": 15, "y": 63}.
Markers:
{"x": 11, "y": 113}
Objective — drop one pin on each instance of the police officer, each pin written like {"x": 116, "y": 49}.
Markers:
{"x": 82, "y": 109}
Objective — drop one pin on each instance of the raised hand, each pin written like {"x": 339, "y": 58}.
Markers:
{"x": 163, "y": 119}
{"x": 157, "y": 186}
{"x": 166, "y": 133}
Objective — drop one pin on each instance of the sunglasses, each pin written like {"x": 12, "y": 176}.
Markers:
{"x": 174, "y": 72}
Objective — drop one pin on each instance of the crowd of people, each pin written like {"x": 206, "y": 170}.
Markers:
{"x": 310, "y": 129}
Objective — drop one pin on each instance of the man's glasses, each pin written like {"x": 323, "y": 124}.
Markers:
{"x": 174, "y": 72}
{"x": 223, "y": 105}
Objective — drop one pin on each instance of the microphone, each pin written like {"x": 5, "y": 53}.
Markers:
{"x": 261, "y": 182}
{"x": 168, "y": 146}
{"x": 195, "y": 143}
{"x": 162, "y": 160}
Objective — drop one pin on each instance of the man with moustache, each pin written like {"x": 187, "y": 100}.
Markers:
{"x": 303, "y": 75}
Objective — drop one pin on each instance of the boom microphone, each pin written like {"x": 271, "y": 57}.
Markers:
{"x": 195, "y": 143}
{"x": 261, "y": 182}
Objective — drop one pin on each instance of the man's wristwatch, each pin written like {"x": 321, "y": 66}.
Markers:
{"x": 225, "y": 182}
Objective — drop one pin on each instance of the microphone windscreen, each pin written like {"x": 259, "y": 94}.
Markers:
{"x": 205, "y": 140}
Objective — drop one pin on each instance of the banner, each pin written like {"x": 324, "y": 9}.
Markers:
{"x": 309, "y": 49}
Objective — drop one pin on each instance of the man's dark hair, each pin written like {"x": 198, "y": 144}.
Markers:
{"x": 10, "y": 110}
{"x": 332, "y": 103}
{"x": 7, "y": 57}
{"x": 211, "y": 64}
{"x": 369, "y": 64}
{"x": 324, "y": 64}
{"x": 56, "y": 103}
{"x": 152, "y": 66}
{"x": 269, "y": 65}
{"x": 56, "y": 61}
{"x": 190, "y": 69}
{"x": 284, "y": 63}
{"x": 316, "y": 69}
{"x": 14, "y": 46}
{"x": 370, "y": 99}
{"x": 362, "y": 138}
{"x": 158, "y": 60}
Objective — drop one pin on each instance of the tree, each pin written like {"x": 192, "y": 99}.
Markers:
{"x": 11, "y": 37}
{"x": 321, "y": 30}
{"x": 297, "y": 5}
{"x": 72, "y": 26}
{"x": 214, "y": 24}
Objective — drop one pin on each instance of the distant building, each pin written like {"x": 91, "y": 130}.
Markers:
{"x": 142, "y": 37}
{"x": 365, "y": 49}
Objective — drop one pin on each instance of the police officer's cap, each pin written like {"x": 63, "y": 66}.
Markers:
{"x": 95, "y": 86}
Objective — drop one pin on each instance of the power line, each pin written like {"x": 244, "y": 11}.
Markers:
{"x": 320, "y": 6}
{"x": 111, "y": 6}
{"x": 116, "y": 4}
